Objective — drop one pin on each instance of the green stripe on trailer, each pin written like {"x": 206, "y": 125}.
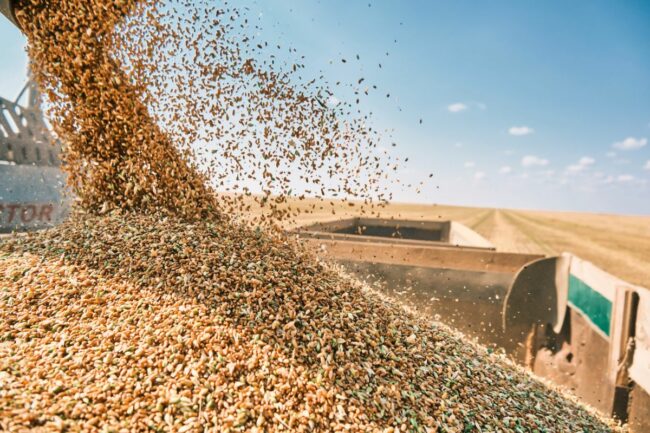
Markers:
{"x": 592, "y": 304}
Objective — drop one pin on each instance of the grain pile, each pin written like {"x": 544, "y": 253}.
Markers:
{"x": 135, "y": 315}
{"x": 145, "y": 323}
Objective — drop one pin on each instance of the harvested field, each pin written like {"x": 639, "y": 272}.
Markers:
{"x": 146, "y": 323}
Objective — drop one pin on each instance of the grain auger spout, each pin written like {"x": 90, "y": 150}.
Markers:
{"x": 7, "y": 8}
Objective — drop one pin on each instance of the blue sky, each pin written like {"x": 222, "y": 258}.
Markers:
{"x": 525, "y": 104}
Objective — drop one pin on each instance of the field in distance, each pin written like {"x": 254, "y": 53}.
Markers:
{"x": 618, "y": 244}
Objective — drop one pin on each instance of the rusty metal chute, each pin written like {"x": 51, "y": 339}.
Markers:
{"x": 538, "y": 294}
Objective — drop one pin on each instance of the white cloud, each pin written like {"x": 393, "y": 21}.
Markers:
{"x": 582, "y": 164}
{"x": 610, "y": 154}
{"x": 647, "y": 165}
{"x": 625, "y": 178}
{"x": 630, "y": 143}
{"x": 458, "y": 144}
{"x": 457, "y": 107}
{"x": 532, "y": 161}
{"x": 470, "y": 164}
{"x": 479, "y": 175}
{"x": 505, "y": 169}
{"x": 520, "y": 130}
{"x": 586, "y": 160}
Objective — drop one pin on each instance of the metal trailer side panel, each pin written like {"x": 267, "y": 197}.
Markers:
{"x": 459, "y": 234}
{"x": 639, "y": 421}
{"x": 433, "y": 257}
{"x": 640, "y": 368}
{"x": 469, "y": 301}
{"x": 577, "y": 359}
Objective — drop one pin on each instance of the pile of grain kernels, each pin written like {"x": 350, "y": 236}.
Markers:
{"x": 135, "y": 323}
